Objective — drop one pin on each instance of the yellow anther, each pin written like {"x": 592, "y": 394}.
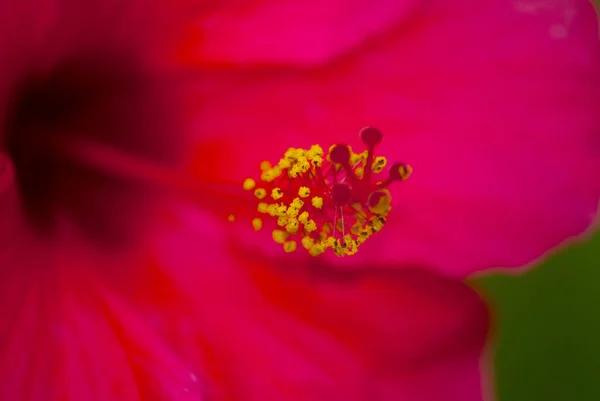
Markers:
{"x": 317, "y": 249}
{"x": 377, "y": 223}
{"x": 293, "y": 153}
{"x": 303, "y": 218}
{"x": 322, "y": 224}
{"x": 356, "y": 158}
{"x": 365, "y": 233}
{"x": 350, "y": 245}
{"x": 292, "y": 226}
{"x": 405, "y": 171}
{"x": 289, "y": 246}
{"x": 310, "y": 226}
{"x": 383, "y": 205}
{"x": 276, "y": 193}
{"x": 260, "y": 193}
{"x": 317, "y": 161}
{"x": 329, "y": 242}
{"x": 265, "y": 165}
{"x": 282, "y": 221}
{"x": 308, "y": 242}
{"x": 284, "y": 163}
{"x": 301, "y": 166}
{"x": 297, "y": 203}
{"x": 231, "y": 218}
{"x": 263, "y": 207}
{"x": 249, "y": 184}
{"x": 276, "y": 210}
{"x": 303, "y": 192}
{"x": 345, "y": 246}
{"x": 314, "y": 151}
{"x": 379, "y": 164}
{"x": 257, "y": 224}
{"x": 270, "y": 174}
{"x": 280, "y": 236}
{"x": 292, "y": 211}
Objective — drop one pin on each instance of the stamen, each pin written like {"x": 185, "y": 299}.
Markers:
{"x": 333, "y": 202}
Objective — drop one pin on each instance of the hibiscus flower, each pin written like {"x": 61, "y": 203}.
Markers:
{"x": 122, "y": 277}
{"x": 493, "y": 105}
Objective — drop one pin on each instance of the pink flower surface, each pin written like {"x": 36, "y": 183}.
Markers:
{"x": 121, "y": 278}
{"x": 493, "y": 104}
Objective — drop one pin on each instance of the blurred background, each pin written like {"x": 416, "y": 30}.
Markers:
{"x": 547, "y": 328}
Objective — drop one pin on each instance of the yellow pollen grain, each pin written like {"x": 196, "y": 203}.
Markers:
{"x": 260, "y": 193}
{"x": 303, "y": 192}
{"x": 249, "y": 184}
{"x": 257, "y": 224}
{"x": 279, "y": 236}
{"x": 276, "y": 193}
{"x": 289, "y": 246}
{"x": 317, "y": 202}
{"x": 231, "y": 218}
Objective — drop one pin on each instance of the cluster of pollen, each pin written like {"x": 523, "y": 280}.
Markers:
{"x": 325, "y": 200}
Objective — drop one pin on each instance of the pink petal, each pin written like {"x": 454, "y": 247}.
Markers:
{"x": 290, "y": 31}
{"x": 63, "y": 336}
{"x": 306, "y": 332}
{"x": 494, "y": 105}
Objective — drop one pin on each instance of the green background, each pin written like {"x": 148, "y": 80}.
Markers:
{"x": 547, "y": 328}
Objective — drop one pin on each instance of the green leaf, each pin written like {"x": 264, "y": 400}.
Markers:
{"x": 547, "y": 328}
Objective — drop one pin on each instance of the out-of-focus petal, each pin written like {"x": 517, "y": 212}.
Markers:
{"x": 66, "y": 336}
{"x": 494, "y": 104}
{"x": 299, "y": 331}
{"x": 289, "y": 32}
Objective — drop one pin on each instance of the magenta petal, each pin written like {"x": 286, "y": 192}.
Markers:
{"x": 291, "y": 32}
{"x": 494, "y": 105}
{"x": 64, "y": 337}
{"x": 304, "y": 332}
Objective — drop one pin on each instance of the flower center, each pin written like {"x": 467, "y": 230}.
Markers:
{"x": 109, "y": 98}
{"x": 332, "y": 202}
